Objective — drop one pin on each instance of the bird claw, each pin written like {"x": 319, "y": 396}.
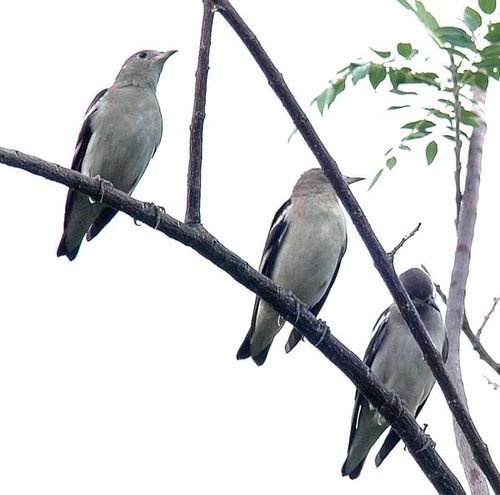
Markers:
{"x": 103, "y": 183}
{"x": 429, "y": 443}
{"x": 326, "y": 331}
{"x": 159, "y": 211}
{"x": 297, "y": 310}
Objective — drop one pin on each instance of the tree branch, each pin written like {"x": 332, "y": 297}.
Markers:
{"x": 456, "y": 296}
{"x": 458, "y": 139}
{"x": 478, "y": 346}
{"x": 487, "y": 317}
{"x": 476, "y": 343}
{"x": 402, "y": 242}
{"x": 196, "y": 138}
{"x": 380, "y": 257}
{"x": 294, "y": 311}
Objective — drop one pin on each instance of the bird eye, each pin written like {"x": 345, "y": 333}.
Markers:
{"x": 142, "y": 55}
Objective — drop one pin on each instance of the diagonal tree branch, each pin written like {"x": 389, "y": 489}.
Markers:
{"x": 466, "y": 328}
{"x": 196, "y": 138}
{"x": 478, "y": 346}
{"x": 382, "y": 263}
{"x": 487, "y": 317}
{"x": 317, "y": 332}
{"x": 456, "y": 298}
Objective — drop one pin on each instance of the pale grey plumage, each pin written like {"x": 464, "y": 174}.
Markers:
{"x": 397, "y": 361}
{"x": 121, "y": 132}
{"x": 302, "y": 254}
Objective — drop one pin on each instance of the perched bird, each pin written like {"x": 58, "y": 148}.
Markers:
{"x": 302, "y": 254}
{"x": 397, "y": 361}
{"x": 119, "y": 136}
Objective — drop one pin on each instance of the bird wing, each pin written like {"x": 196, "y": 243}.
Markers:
{"x": 378, "y": 337}
{"x": 392, "y": 438}
{"x": 275, "y": 237}
{"x": 85, "y": 133}
{"x": 295, "y": 336}
{"x": 81, "y": 148}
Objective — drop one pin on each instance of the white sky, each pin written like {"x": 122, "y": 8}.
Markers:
{"x": 117, "y": 371}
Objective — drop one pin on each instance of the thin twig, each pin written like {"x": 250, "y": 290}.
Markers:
{"x": 487, "y": 317}
{"x": 478, "y": 346}
{"x": 403, "y": 240}
{"x": 495, "y": 385}
{"x": 285, "y": 303}
{"x": 385, "y": 268}
{"x": 458, "y": 139}
{"x": 193, "y": 214}
{"x": 476, "y": 343}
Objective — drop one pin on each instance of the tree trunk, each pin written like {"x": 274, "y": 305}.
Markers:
{"x": 456, "y": 297}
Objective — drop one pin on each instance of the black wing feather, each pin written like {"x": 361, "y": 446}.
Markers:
{"x": 392, "y": 438}
{"x": 380, "y": 332}
{"x": 275, "y": 237}
{"x": 81, "y": 148}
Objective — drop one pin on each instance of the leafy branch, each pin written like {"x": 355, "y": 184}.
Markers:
{"x": 448, "y": 85}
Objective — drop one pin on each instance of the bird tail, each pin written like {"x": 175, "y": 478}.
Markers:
{"x": 245, "y": 350}
{"x": 293, "y": 340}
{"x": 352, "y": 471}
{"x": 390, "y": 442}
{"x": 64, "y": 250}
{"x": 77, "y": 220}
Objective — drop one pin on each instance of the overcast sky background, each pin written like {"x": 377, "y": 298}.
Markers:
{"x": 117, "y": 371}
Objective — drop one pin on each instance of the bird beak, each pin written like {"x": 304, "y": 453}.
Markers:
{"x": 352, "y": 180}
{"x": 163, "y": 56}
{"x": 431, "y": 302}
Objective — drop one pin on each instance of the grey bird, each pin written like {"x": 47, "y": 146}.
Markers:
{"x": 302, "y": 254}
{"x": 120, "y": 134}
{"x": 397, "y": 361}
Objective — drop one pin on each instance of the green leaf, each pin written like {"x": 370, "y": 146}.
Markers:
{"x": 327, "y": 97}
{"x": 416, "y": 135}
{"x": 376, "y": 178}
{"x": 391, "y": 162}
{"x": 425, "y": 77}
{"x": 405, "y": 4}
{"x": 488, "y": 6}
{"x": 404, "y": 147}
{"x": 426, "y": 18}
{"x": 398, "y": 107}
{"x": 490, "y": 51}
{"x": 431, "y": 152}
{"x": 419, "y": 125}
{"x": 455, "y": 37}
{"x": 481, "y": 81}
{"x": 404, "y": 93}
{"x": 381, "y": 53}
{"x": 406, "y": 50}
{"x": 451, "y": 138}
{"x": 292, "y": 134}
{"x": 359, "y": 73}
{"x": 472, "y": 19}
{"x": 468, "y": 118}
{"x": 322, "y": 99}
{"x": 493, "y": 35}
{"x": 440, "y": 114}
{"x": 448, "y": 103}
{"x": 376, "y": 75}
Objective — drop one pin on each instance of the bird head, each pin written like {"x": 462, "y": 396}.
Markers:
{"x": 143, "y": 68}
{"x": 419, "y": 286}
